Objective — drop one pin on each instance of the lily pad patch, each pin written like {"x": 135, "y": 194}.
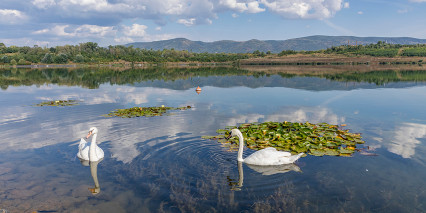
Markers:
{"x": 314, "y": 139}
{"x": 143, "y": 111}
{"x": 58, "y": 103}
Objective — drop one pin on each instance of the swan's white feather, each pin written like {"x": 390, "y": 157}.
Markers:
{"x": 83, "y": 150}
{"x": 269, "y": 156}
{"x": 265, "y": 157}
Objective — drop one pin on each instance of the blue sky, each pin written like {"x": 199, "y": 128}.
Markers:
{"x": 114, "y": 22}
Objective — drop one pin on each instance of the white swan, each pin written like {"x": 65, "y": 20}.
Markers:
{"x": 92, "y": 152}
{"x": 264, "y": 157}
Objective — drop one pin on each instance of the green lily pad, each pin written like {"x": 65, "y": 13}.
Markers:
{"x": 314, "y": 139}
{"x": 58, "y": 103}
{"x": 143, "y": 111}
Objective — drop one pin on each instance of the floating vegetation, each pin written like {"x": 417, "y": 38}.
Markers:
{"x": 314, "y": 139}
{"x": 142, "y": 111}
{"x": 58, "y": 103}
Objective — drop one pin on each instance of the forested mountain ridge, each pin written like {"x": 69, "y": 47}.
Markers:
{"x": 309, "y": 43}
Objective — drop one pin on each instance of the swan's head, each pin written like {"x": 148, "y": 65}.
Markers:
{"x": 234, "y": 132}
{"x": 92, "y": 131}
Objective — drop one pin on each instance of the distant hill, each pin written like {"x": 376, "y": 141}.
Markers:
{"x": 317, "y": 42}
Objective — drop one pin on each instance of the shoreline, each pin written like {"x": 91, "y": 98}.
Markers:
{"x": 318, "y": 60}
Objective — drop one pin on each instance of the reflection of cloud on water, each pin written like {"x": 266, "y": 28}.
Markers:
{"x": 406, "y": 140}
{"x": 311, "y": 114}
{"x": 120, "y": 94}
{"x": 14, "y": 117}
{"x": 250, "y": 118}
{"x": 302, "y": 114}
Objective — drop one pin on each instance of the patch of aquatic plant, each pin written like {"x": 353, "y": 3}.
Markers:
{"x": 143, "y": 111}
{"x": 314, "y": 139}
{"x": 58, "y": 103}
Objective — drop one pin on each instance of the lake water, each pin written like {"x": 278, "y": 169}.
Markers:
{"x": 161, "y": 164}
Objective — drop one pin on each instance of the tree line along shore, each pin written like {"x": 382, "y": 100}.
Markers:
{"x": 91, "y": 53}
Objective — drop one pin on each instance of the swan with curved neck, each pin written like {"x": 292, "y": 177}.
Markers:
{"x": 264, "y": 157}
{"x": 92, "y": 152}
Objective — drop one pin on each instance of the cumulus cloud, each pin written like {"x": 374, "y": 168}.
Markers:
{"x": 187, "y": 22}
{"x": 305, "y": 9}
{"x": 79, "y": 31}
{"x": 12, "y": 17}
{"x": 135, "y": 30}
{"x": 43, "y": 4}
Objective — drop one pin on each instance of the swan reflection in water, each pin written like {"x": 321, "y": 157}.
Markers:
{"x": 264, "y": 170}
{"x": 94, "y": 172}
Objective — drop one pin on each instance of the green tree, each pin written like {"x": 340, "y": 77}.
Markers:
{"x": 62, "y": 58}
{"x": 21, "y": 61}
{"x": 79, "y": 58}
{"x": 4, "y": 59}
{"x": 47, "y": 59}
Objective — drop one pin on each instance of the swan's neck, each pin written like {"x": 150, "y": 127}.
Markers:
{"x": 92, "y": 149}
{"x": 240, "y": 150}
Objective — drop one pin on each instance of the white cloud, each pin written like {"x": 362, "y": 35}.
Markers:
{"x": 79, "y": 31}
{"x": 187, "y": 22}
{"x": 136, "y": 30}
{"x": 95, "y": 5}
{"x": 234, "y": 5}
{"x": 123, "y": 40}
{"x": 43, "y": 4}
{"x": 360, "y": 12}
{"x": 234, "y": 15}
{"x": 253, "y": 7}
{"x": 10, "y": 17}
{"x": 305, "y": 9}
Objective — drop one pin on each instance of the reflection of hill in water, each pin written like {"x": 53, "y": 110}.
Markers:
{"x": 186, "y": 78}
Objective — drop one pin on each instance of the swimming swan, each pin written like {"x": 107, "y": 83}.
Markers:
{"x": 92, "y": 152}
{"x": 264, "y": 157}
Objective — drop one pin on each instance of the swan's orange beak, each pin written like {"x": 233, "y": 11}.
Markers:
{"x": 89, "y": 134}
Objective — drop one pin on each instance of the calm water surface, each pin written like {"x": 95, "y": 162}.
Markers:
{"x": 161, "y": 164}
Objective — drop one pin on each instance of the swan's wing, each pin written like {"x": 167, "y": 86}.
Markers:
{"x": 99, "y": 152}
{"x": 82, "y": 144}
{"x": 83, "y": 150}
{"x": 267, "y": 156}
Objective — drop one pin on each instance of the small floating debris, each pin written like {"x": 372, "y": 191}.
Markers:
{"x": 143, "y": 111}
{"x": 59, "y": 103}
{"x": 314, "y": 139}
{"x": 198, "y": 90}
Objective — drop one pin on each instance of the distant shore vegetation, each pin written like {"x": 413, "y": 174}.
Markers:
{"x": 91, "y": 53}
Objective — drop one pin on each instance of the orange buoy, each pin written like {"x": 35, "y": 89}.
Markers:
{"x": 198, "y": 90}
